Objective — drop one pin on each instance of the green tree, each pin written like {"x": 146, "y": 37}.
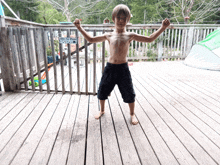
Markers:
{"x": 105, "y": 8}
{"x": 98, "y": 17}
{"x": 144, "y": 11}
{"x": 22, "y": 9}
{"x": 48, "y": 15}
{"x": 194, "y": 11}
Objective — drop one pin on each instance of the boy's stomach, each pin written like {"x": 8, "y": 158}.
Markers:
{"x": 117, "y": 60}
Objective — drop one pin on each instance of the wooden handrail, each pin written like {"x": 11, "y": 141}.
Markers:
{"x": 57, "y": 62}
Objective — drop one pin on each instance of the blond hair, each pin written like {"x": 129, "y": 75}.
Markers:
{"x": 121, "y": 9}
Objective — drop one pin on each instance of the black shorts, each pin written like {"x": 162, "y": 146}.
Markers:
{"x": 116, "y": 74}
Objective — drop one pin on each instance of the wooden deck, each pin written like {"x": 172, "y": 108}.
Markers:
{"x": 177, "y": 107}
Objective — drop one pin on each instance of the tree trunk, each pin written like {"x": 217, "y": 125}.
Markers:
{"x": 68, "y": 18}
{"x": 67, "y": 11}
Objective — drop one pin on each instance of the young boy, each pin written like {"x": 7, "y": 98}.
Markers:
{"x": 116, "y": 70}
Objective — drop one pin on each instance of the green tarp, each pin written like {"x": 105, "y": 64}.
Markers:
{"x": 206, "y": 54}
{"x": 212, "y": 41}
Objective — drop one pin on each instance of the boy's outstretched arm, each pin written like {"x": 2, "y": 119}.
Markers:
{"x": 86, "y": 35}
{"x": 152, "y": 37}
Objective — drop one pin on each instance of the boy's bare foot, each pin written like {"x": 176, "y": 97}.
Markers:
{"x": 100, "y": 114}
{"x": 134, "y": 120}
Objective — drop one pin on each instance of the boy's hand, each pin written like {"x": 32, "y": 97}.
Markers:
{"x": 165, "y": 23}
{"x": 77, "y": 23}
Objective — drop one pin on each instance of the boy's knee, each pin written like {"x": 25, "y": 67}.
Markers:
{"x": 130, "y": 98}
{"x": 102, "y": 94}
{"x": 101, "y": 97}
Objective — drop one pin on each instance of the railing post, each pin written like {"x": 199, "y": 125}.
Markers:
{"x": 6, "y": 62}
{"x": 190, "y": 40}
{"x": 94, "y": 65}
{"x": 77, "y": 59}
{"x": 21, "y": 33}
{"x": 103, "y": 54}
{"x": 15, "y": 56}
{"x": 160, "y": 47}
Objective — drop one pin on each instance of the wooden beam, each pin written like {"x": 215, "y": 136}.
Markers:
{"x": 15, "y": 56}
{"x": 86, "y": 65}
{"x": 62, "y": 62}
{"x": 70, "y": 64}
{"x": 6, "y": 61}
{"x": 54, "y": 59}
{"x": 94, "y": 64}
{"x": 45, "y": 59}
{"x": 21, "y": 33}
{"x": 77, "y": 60}
{"x": 29, "y": 46}
{"x": 103, "y": 54}
{"x": 37, "y": 59}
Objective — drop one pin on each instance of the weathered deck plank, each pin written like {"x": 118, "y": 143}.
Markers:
{"x": 174, "y": 123}
{"x": 167, "y": 141}
{"x": 29, "y": 146}
{"x": 111, "y": 153}
{"x": 94, "y": 143}
{"x": 127, "y": 148}
{"x": 23, "y": 132}
{"x": 77, "y": 148}
{"x": 5, "y": 95}
{"x": 10, "y": 103}
{"x": 198, "y": 129}
{"x": 45, "y": 147}
{"x": 61, "y": 146}
{"x": 142, "y": 144}
{"x": 12, "y": 122}
{"x": 5, "y": 101}
{"x": 177, "y": 108}
{"x": 11, "y": 115}
{"x": 193, "y": 102}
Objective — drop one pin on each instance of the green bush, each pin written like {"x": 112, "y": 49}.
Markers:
{"x": 49, "y": 51}
{"x": 152, "y": 56}
{"x": 106, "y": 53}
{"x": 130, "y": 52}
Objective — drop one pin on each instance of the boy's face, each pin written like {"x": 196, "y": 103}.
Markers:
{"x": 120, "y": 21}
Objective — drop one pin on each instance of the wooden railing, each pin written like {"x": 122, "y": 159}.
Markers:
{"x": 0, "y": 83}
{"x": 24, "y": 47}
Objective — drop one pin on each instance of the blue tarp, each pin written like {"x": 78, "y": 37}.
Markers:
{"x": 1, "y": 10}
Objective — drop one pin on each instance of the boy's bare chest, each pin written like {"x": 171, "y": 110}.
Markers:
{"x": 119, "y": 40}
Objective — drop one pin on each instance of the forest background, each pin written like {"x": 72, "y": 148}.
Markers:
{"x": 95, "y": 11}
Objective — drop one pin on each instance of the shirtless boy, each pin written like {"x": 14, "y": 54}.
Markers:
{"x": 116, "y": 70}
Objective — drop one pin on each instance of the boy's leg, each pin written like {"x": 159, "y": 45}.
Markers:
{"x": 105, "y": 87}
{"x": 134, "y": 120}
{"x": 125, "y": 86}
{"x": 102, "y": 103}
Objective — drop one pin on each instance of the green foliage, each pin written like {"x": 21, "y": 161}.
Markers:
{"x": 56, "y": 45}
{"x": 22, "y": 9}
{"x": 139, "y": 8}
{"x": 98, "y": 18}
{"x": 106, "y": 53}
{"x": 131, "y": 52}
{"x": 49, "y": 15}
{"x": 49, "y": 51}
{"x": 143, "y": 11}
{"x": 152, "y": 56}
{"x": 199, "y": 13}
